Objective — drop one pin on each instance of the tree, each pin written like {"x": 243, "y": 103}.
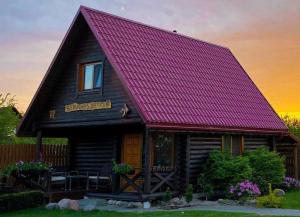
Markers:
{"x": 8, "y": 118}
{"x": 293, "y": 124}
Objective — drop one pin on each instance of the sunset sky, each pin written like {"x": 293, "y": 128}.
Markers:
{"x": 264, "y": 35}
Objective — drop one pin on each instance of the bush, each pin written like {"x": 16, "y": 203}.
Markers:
{"x": 269, "y": 201}
{"x": 244, "y": 190}
{"x": 290, "y": 184}
{"x": 167, "y": 196}
{"x": 267, "y": 167}
{"x": 21, "y": 200}
{"x": 25, "y": 168}
{"x": 122, "y": 168}
{"x": 223, "y": 170}
{"x": 189, "y": 193}
{"x": 204, "y": 186}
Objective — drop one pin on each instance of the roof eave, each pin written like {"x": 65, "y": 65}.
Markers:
{"x": 197, "y": 128}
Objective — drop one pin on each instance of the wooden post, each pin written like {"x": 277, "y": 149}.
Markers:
{"x": 187, "y": 158}
{"x": 115, "y": 178}
{"x": 273, "y": 143}
{"x": 39, "y": 139}
{"x": 296, "y": 161}
{"x": 147, "y": 166}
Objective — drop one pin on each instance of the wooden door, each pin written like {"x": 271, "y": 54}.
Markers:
{"x": 132, "y": 153}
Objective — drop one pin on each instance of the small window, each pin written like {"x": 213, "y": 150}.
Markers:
{"x": 233, "y": 144}
{"x": 163, "y": 151}
{"x": 90, "y": 76}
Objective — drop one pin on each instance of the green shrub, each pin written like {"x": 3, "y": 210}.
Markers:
{"x": 21, "y": 200}
{"x": 189, "y": 193}
{"x": 269, "y": 201}
{"x": 25, "y": 167}
{"x": 267, "y": 166}
{"x": 122, "y": 168}
{"x": 204, "y": 186}
{"x": 167, "y": 196}
{"x": 223, "y": 170}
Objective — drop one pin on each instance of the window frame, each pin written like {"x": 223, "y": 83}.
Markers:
{"x": 173, "y": 151}
{"x": 241, "y": 145}
{"x": 81, "y": 77}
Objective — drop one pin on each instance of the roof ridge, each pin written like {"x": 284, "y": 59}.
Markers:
{"x": 152, "y": 27}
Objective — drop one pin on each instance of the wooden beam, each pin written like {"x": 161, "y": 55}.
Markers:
{"x": 147, "y": 164}
{"x": 273, "y": 143}
{"x": 296, "y": 161}
{"x": 187, "y": 160}
{"x": 115, "y": 178}
{"x": 39, "y": 140}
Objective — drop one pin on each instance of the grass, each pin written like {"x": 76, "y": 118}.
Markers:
{"x": 69, "y": 213}
{"x": 291, "y": 200}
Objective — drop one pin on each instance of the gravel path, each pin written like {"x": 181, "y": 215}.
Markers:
{"x": 220, "y": 208}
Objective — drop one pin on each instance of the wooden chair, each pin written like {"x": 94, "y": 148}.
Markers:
{"x": 57, "y": 180}
{"x": 102, "y": 178}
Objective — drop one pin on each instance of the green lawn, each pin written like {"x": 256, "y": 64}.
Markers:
{"x": 291, "y": 200}
{"x": 41, "y": 212}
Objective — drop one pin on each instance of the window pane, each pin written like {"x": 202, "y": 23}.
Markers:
{"x": 163, "y": 151}
{"x": 88, "y": 77}
{"x": 236, "y": 145}
{"x": 98, "y": 75}
{"x": 227, "y": 143}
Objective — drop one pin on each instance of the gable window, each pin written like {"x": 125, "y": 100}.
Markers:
{"x": 90, "y": 76}
{"x": 234, "y": 144}
{"x": 163, "y": 151}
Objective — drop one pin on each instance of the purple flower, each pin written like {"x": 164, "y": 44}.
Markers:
{"x": 244, "y": 189}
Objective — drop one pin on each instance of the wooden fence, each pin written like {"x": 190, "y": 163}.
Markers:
{"x": 292, "y": 160}
{"x": 57, "y": 155}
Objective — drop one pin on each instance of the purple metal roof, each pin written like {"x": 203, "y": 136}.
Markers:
{"x": 175, "y": 80}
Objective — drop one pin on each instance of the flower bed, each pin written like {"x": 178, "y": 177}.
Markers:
{"x": 244, "y": 190}
{"x": 290, "y": 184}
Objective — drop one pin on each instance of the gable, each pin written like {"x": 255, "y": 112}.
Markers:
{"x": 60, "y": 88}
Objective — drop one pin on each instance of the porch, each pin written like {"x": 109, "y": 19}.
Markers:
{"x": 156, "y": 166}
{"x": 76, "y": 184}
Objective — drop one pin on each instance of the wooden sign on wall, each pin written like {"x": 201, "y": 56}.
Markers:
{"x": 88, "y": 106}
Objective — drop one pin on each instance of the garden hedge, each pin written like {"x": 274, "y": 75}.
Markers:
{"x": 21, "y": 200}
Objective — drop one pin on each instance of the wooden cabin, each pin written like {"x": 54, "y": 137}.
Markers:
{"x": 154, "y": 99}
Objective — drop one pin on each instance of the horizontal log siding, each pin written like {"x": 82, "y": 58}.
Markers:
{"x": 254, "y": 142}
{"x": 92, "y": 155}
{"x": 200, "y": 147}
{"x": 65, "y": 89}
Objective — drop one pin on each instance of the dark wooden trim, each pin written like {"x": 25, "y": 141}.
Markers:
{"x": 164, "y": 180}
{"x": 273, "y": 143}
{"x": 91, "y": 123}
{"x": 188, "y": 155}
{"x": 147, "y": 165}
{"x": 115, "y": 157}
{"x": 242, "y": 145}
{"x": 39, "y": 141}
{"x": 199, "y": 129}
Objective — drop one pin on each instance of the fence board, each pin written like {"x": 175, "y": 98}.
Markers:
{"x": 291, "y": 159}
{"x": 56, "y": 154}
